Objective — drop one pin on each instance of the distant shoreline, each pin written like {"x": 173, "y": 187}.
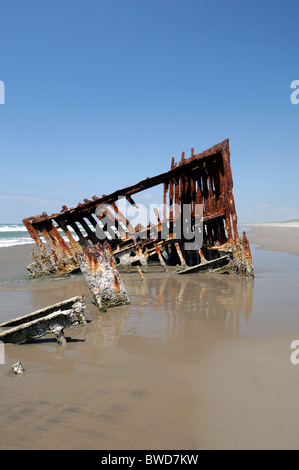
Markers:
{"x": 275, "y": 237}
{"x": 289, "y": 224}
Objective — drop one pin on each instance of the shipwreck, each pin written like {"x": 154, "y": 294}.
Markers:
{"x": 52, "y": 319}
{"x": 203, "y": 183}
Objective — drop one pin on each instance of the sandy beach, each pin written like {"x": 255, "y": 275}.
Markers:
{"x": 129, "y": 173}
{"x": 194, "y": 362}
{"x": 279, "y": 237}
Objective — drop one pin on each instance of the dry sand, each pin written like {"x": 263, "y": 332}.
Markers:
{"x": 195, "y": 362}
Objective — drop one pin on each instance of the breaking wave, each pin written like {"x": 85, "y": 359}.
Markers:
{"x": 17, "y": 234}
{"x": 14, "y": 234}
{"x": 12, "y": 228}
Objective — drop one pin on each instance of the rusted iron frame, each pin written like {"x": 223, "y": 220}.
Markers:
{"x": 62, "y": 256}
{"x": 129, "y": 191}
{"x": 201, "y": 185}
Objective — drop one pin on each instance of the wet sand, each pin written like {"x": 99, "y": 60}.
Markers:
{"x": 194, "y": 362}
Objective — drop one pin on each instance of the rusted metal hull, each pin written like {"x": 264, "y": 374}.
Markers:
{"x": 203, "y": 180}
{"x": 54, "y": 323}
{"x": 77, "y": 304}
{"x": 49, "y": 320}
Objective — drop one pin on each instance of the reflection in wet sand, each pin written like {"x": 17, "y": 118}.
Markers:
{"x": 168, "y": 306}
{"x": 219, "y": 299}
{"x": 126, "y": 379}
{"x": 163, "y": 306}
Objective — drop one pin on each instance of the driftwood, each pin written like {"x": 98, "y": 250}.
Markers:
{"x": 50, "y": 320}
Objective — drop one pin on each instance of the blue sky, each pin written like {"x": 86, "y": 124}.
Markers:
{"x": 101, "y": 94}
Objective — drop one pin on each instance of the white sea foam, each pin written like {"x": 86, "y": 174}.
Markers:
{"x": 17, "y": 234}
{"x": 6, "y": 242}
{"x": 12, "y": 228}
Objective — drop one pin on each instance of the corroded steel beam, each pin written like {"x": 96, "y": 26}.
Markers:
{"x": 203, "y": 179}
{"x": 104, "y": 282}
{"x": 51, "y": 319}
{"x": 77, "y": 304}
{"x": 54, "y": 323}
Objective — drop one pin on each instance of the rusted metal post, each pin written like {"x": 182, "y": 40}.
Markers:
{"x": 162, "y": 262}
{"x": 140, "y": 272}
{"x": 202, "y": 257}
{"x": 182, "y": 260}
{"x": 74, "y": 246}
{"x": 247, "y": 256}
{"x": 165, "y": 189}
{"x": 104, "y": 282}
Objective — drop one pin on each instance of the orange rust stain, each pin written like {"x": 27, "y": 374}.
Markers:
{"x": 116, "y": 282}
{"x": 102, "y": 268}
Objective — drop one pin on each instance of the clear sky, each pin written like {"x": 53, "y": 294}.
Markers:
{"x": 100, "y": 94}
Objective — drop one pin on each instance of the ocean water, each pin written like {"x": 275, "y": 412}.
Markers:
{"x": 13, "y": 235}
{"x": 17, "y": 234}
